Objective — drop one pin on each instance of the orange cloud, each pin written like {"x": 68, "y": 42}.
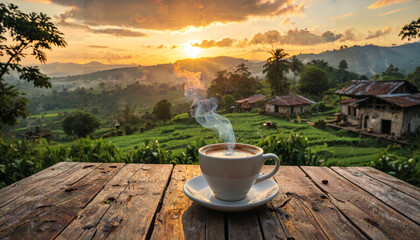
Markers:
{"x": 378, "y": 33}
{"x": 174, "y": 14}
{"x": 342, "y": 16}
{"x": 384, "y": 3}
{"x": 225, "y": 42}
{"x": 394, "y": 11}
{"x": 285, "y": 21}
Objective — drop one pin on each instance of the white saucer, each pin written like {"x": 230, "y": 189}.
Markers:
{"x": 199, "y": 191}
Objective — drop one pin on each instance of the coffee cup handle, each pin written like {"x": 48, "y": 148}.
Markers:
{"x": 270, "y": 174}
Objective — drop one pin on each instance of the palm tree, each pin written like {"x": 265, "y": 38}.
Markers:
{"x": 242, "y": 68}
{"x": 296, "y": 66}
{"x": 275, "y": 68}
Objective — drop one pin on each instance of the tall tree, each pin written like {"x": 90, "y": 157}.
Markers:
{"x": 296, "y": 66}
{"x": 342, "y": 66}
{"x": 242, "y": 69}
{"x": 275, "y": 69}
{"x": 80, "y": 124}
{"x": 411, "y": 30}
{"x": 22, "y": 34}
{"x": 162, "y": 110}
{"x": 313, "y": 82}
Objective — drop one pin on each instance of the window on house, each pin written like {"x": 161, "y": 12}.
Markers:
{"x": 348, "y": 110}
{"x": 354, "y": 111}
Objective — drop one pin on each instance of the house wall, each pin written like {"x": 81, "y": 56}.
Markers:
{"x": 411, "y": 120}
{"x": 286, "y": 110}
{"x": 352, "y": 120}
{"x": 375, "y": 117}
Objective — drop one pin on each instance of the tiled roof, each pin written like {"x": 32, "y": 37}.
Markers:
{"x": 252, "y": 99}
{"x": 290, "y": 100}
{"x": 373, "y": 88}
{"x": 402, "y": 100}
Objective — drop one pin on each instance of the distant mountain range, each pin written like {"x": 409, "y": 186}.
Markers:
{"x": 371, "y": 59}
{"x": 161, "y": 73}
{"x": 368, "y": 60}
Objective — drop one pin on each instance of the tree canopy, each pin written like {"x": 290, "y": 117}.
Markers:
{"x": 80, "y": 124}
{"x": 414, "y": 77}
{"x": 23, "y": 34}
{"x": 275, "y": 68}
{"x": 313, "y": 82}
{"x": 162, "y": 110}
{"x": 411, "y": 30}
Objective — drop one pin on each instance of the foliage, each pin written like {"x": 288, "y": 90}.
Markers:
{"x": 275, "y": 68}
{"x": 414, "y": 77}
{"x": 128, "y": 116}
{"x": 313, "y": 82}
{"x": 241, "y": 80}
{"x": 293, "y": 149}
{"x": 391, "y": 73}
{"x": 342, "y": 66}
{"x": 411, "y": 30}
{"x": 28, "y": 32}
{"x": 228, "y": 101}
{"x": 80, "y": 124}
{"x": 404, "y": 169}
{"x": 162, "y": 110}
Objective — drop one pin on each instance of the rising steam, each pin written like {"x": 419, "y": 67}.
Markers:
{"x": 203, "y": 109}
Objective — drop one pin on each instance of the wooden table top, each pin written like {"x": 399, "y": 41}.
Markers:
{"x": 143, "y": 201}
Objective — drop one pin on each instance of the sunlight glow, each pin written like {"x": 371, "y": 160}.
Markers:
{"x": 191, "y": 51}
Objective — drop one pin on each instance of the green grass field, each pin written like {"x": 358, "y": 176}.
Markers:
{"x": 343, "y": 146}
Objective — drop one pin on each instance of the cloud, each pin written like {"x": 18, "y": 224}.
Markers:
{"x": 285, "y": 21}
{"x": 383, "y": 3}
{"x": 378, "y": 33}
{"x": 97, "y": 46}
{"x": 174, "y": 46}
{"x": 161, "y": 46}
{"x": 225, "y": 42}
{"x": 112, "y": 57}
{"x": 394, "y": 11}
{"x": 173, "y": 14}
{"x": 348, "y": 35}
{"x": 342, "y": 16}
{"x": 292, "y": 37}
{"x": 119, "y": 32}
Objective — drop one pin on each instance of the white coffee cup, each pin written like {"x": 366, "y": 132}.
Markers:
{"x": 231, "y": 178}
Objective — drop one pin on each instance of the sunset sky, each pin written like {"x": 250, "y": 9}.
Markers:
{"x": 158, "y": 31}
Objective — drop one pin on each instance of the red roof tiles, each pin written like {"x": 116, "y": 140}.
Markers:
{"x": 290, "y": 100}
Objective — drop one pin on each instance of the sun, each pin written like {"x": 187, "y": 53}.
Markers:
{"x": 191, "y": 51}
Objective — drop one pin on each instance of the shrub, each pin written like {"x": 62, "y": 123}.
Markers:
{"x": 405, "y": 169}
{"x": 292, "y": 149}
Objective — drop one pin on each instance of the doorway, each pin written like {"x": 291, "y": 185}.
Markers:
{"x": 276, "y": 109}
{"x": 386, "y": 126}
{"x": 365, "y": 125}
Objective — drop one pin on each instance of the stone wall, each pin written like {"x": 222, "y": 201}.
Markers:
{"x": 411, "y": 120}
{"x": 286, "y": 110}
{"x": 376, "y": 116}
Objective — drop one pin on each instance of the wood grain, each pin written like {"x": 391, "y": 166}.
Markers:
{"x": 179, "y": 218}
{"x": 391, "y": 181}
{"x": 15, "y": 190}
{"x": 403, "y": 203}
{"x": 54, "y": 213}
{"x": 372, "y": 216}
{"x": 88, "y": 219}
{"x": 131, "y": 216}
{"x": 304, "y": 201}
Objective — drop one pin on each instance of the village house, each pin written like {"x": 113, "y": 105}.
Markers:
{"x": 388, "y": 107}
{"x": 288, "y": 105}
{"x": 38, "y": 134}
{"x": 247, "y": 104}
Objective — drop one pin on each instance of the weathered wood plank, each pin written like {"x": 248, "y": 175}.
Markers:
{"x": 244, "y": 225}
{"x": 54, "y": 213}
{"x": 310, "y": 203}
{"x": 15, "y": 190}
{"x": 32, "y": 199}
{"x": 179, "y": 218}
{"x": 373, "y": 217}
{"x": 391, "y": 181}
{"x": 132, "y": 214}
{"x": 270, "y": 225}
{"x": 88, "y": 219}
{"x": 403, "y": 203}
